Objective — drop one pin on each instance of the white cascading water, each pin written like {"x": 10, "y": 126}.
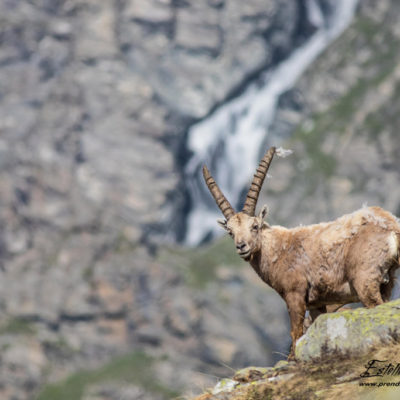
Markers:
{"x": 229, "y": 141}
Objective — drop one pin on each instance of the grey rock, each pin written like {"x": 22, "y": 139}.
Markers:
{"x": 350, "y": 333}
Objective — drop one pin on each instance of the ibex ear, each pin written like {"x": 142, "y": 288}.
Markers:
{"x": 223, "y": 222}
{"x": 263, "y": 213}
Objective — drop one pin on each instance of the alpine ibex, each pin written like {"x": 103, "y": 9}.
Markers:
{"x": 351, "y": 259}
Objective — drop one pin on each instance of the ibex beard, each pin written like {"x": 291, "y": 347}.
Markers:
{"x": 319, "y": 266}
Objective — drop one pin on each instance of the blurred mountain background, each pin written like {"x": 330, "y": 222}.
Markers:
{"x": 100, "y": 297}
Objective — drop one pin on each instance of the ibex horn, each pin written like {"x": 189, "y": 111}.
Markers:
{"x": 219, "y": 197}
{"x": 252, "y": 195}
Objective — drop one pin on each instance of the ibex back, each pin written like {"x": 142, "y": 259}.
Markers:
{"x": 351, "y": 259}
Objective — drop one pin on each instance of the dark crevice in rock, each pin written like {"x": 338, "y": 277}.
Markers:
{"x": 180, "y": 3}
{"x": 76, "y": 318}
{"x": 151, "y": 27}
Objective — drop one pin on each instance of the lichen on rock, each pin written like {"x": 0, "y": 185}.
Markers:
{"x": 333, "y": 360}
{"x": 226, "y": 385}
{"x": 350, "y": 332}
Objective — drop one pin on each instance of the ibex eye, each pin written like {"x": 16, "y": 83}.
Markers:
{"x": 255, "y": 227}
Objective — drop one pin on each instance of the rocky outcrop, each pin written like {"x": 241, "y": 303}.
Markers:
{"x": 350, "y": 333}
{"x": 349, "y": 354}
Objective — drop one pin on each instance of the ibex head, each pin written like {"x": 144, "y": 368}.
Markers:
{"x": 244, "y": 227}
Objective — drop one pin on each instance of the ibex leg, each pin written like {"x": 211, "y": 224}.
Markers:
{"x": 297, "y": 308}
{"x": 369, "y": 291}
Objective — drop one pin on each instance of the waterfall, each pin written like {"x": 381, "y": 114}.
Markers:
{"x": 229, "y": 141}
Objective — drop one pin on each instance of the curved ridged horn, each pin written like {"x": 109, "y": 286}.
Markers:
{"x": 252, "y": 195}
{"x": 216, "y": 192}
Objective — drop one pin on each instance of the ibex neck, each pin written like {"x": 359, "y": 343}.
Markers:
{"x": 264, "y": 260}
{"x": 255, "y": 262}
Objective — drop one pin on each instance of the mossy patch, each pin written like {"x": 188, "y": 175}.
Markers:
{"x": 350, "y": 332}
{"x": 135, "y": 368}
{"x": 17, "y": 326}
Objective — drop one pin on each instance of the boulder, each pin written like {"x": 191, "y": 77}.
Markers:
{"x": 350, "y": 332}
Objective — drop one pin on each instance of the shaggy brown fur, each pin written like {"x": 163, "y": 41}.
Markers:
{"x": 347, "y": 260}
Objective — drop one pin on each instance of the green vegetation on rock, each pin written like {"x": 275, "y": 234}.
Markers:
{"x": 350, "y": 332}
{"x": 361, "y": 108}
{"x": 17, "y": 326}
{"x": 333, "y": 360}
{"x": 134, "y": 368}
{"x": 331, "y": 379}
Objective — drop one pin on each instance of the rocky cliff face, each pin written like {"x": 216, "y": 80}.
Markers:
{"x": 95, "y": 100}
{"x": 342, "y": 118}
